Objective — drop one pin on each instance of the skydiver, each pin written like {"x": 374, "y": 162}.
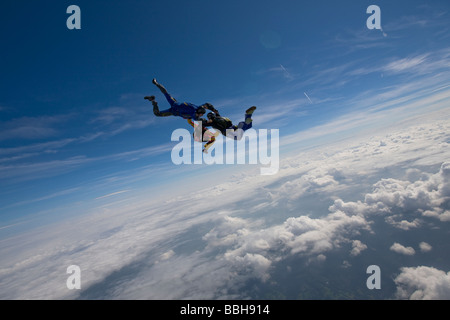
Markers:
{"x": 185, "y": 110}
{"x": 225, "y": 126}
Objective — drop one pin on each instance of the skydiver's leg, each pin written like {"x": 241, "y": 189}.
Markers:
{"x": 169, "y": 98}
{"x": 242, "y": 126}
{"x": 160, "y": 86}
{"x": 164, "y": 113}
{"x": 247, "y": 123}
{"x": 209, "y": 144}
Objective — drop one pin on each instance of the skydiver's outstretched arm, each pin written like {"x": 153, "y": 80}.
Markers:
{"x": 210, "y": 107}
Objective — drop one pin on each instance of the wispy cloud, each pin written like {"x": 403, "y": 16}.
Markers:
{"x": 32, "y": 128}
{"x": 51, "y": 158}
{"x": 37, "y": 148}
{"x": 402, "y": 108}
{"x": 308, "y": 97}
{"x": 111, "y": 194}
{"x": 54, "y": 195}
{"x": 401, "y": 65}
{"x": 286, "y": 73}
{"x": 431, "y": 18}
{"x": 281, "y": 70}
{"x": 20, "y": 172}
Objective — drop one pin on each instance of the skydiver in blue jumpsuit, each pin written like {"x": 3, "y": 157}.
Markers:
{"x": 185, "y": 110}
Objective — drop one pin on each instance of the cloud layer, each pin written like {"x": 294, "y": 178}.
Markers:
{"x": 208, "y": 243}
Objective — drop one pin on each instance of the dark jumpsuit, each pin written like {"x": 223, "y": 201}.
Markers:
{"x": 223, "y": 124}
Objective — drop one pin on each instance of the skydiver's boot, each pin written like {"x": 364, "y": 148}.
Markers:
{"x": 149, "y": 98}
{"x": 155, "y": 107}
{"x": 248, "y": 114}
{"x": 160, "y": 86}
{"x": 250, "y": 110}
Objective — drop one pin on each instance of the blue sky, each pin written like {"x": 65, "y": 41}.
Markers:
{"x": 75, "y": 129}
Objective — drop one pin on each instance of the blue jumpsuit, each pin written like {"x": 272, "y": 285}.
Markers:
{"x": 185, "y": 110}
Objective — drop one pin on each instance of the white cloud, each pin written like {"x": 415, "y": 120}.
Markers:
{"x": 425, "y": 247}
{"x": 438, "y": 213}
{"x": 250, "y": 263}
{"x": 397, "y": 247}
{"x": 357, "y": 247}
{"x": 403, "y": 224}
{"x": 311, "y": 236}
{"x": 401, "y": 198}
{"x": 423, "y": 283}
{"x": 296, "y": 236}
